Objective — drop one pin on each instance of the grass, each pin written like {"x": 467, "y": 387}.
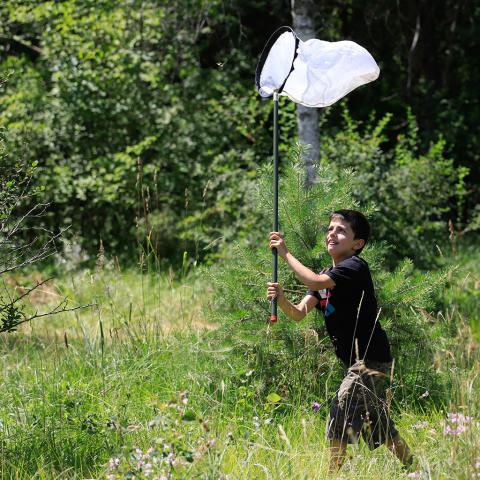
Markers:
{"x": 138, "y": 380}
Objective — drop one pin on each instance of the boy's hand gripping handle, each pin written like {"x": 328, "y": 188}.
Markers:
{"x": 273, "y": 316}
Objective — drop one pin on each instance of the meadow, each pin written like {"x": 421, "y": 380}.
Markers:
{"x": 139, "y": 386}
{"x": 135, "y": 125}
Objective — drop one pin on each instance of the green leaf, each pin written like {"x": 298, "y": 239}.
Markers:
{"x": 189, "y": 416}
{"x": 274, "y": 397}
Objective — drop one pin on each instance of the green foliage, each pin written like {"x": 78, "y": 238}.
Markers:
{"x": 415, "y": 193}
{"x": 294, "y": 357}
{"x": 134, "y": 137}
{"x": 145, "y": 123}
{"x": 426, "y": 62}
{"x": 10, "y": 317}
{"x": 16, "y": 178}
{"x": 184, "y": 446}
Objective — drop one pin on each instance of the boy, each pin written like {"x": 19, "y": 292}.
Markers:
{"x": 345, "y": 295}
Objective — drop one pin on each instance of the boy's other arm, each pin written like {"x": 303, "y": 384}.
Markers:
{"x": 295, "y": 312}
{"x": 314, "y": 281}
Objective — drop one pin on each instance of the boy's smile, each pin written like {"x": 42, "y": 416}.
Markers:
{"x": 340, "y": 240}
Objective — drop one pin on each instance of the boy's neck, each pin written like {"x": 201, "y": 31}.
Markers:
{"x": 336, "y": 261}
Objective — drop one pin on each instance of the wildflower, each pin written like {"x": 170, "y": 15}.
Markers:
{"x": 114, "y": 462}
{"x": 415, "y": 475}
{"x": 147, "y": 469}
{"x": 456, "y": 423}
{"x": 448, "y": 430}
{"x": 315, "y": 407}
{"x": 211, "y": 443}
{"x": 458, "y": 418}
{"x": 420, "y": 425}
{"x": 184, "y": 397}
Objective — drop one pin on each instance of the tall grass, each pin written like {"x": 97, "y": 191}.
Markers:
{"x": 142, "y": 369}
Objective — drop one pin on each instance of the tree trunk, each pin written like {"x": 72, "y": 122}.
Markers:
{"x": 307, "y": 118}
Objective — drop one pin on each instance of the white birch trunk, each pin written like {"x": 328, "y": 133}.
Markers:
{"x": 307, "y": 118}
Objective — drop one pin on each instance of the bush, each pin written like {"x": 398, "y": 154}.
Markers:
{"x": 415, "y": 194}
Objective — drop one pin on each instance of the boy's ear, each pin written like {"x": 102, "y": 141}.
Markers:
{"x": 359, "y": 243}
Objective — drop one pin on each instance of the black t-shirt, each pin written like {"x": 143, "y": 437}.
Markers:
{"x": 350, "y": 312}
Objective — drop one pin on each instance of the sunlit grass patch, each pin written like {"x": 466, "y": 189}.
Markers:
{"x": 119, "y": 302}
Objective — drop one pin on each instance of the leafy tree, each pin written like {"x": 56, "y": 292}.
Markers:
{"x": 426, "y": 55}
{"x": 133, "y": 136}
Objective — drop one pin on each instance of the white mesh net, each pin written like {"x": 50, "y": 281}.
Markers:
{"x": 323, "y": 72}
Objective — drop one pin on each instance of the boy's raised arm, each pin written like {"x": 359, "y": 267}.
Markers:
{"x": 312, "y": 280}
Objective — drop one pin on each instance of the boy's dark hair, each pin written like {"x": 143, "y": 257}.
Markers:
{"x": 358, "y": 223}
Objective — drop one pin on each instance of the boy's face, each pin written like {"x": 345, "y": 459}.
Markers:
{"x": 340, "y": 240}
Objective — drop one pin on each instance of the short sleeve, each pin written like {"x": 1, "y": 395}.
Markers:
{"x": 347, "y": 271}
{"x": 315, "y": 294}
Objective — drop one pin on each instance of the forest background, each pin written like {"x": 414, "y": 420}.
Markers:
{"x": 135, "y": 167}
{"x": 142, "y": 118}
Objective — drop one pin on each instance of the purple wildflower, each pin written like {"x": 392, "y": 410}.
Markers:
{"x": 456, "y": 423}
{"x": 458, "y": 418}
{"x": 315, "y": 407}
{"x": 415, "y": 475}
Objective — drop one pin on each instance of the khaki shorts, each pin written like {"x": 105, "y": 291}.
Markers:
{"x": 359, "y": 406}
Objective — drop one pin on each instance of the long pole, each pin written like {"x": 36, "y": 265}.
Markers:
{"x": 273, "y": 317}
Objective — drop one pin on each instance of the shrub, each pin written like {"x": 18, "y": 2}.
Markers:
{"x": 416, "y": 193}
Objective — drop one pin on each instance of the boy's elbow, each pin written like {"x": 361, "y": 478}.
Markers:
{"x": 301, "y": 313}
